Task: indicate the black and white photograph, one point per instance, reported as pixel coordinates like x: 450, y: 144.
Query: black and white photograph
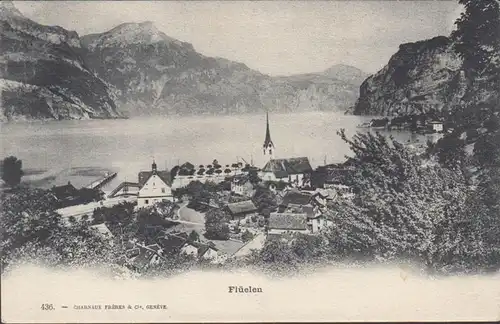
x: 249, y: 161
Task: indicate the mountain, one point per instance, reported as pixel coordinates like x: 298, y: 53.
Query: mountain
x: 135, y: 69
x: 421, y: 77
x: 42, y: 73
x: 156, y: 74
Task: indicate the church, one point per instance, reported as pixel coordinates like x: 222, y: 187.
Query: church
x: 295, y: 171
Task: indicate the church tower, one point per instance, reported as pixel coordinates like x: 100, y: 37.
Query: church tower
x: 268, y: 146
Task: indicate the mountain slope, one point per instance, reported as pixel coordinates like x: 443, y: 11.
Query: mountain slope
x: 421, y: 77
x: 155, y: 74
x: 42, y: 74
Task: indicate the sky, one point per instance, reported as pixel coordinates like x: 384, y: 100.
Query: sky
x: 273, y: 37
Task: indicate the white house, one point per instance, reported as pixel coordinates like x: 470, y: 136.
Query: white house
x: 154, y: 187
x: 242, y: 186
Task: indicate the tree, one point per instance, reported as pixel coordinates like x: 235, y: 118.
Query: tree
x: 246, y: 236
x: 477, y: 41
x: 265, y: 200
x: 487, y: 150
x: 404, y: 208
x: 477, y: 36
x: 12, y: 171
x: 30, y: 229
x: 216, y: 224
x: 194, y: 236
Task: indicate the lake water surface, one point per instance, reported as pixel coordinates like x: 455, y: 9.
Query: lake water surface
x: 79, y: 151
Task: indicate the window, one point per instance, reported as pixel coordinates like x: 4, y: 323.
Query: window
x: 162, y: 190
x: 146, y: 201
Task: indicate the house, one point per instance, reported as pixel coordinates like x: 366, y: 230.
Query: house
x: 436, y: 126
x: 148, y: 255
x: 241, y: 185
x: 155, y: 186
x: 67, y: 191
x: 280, y: 223
x: 172, y: 243
x: 202, y: 251
x: 276, y: 186
x: 66, y: 195
x: 295, y: 197
x: 125, y: 189
x: 294, y: 171
x: 176, y: 243
x: 316, y: 219
x: 241, y: 209
x: 322, y: 196
x: 314, y: 213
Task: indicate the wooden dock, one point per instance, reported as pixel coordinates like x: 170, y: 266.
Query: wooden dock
x: 97, y: 184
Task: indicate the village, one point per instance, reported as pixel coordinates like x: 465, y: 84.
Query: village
x: 285, y: 196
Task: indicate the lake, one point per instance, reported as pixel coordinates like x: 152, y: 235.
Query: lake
x: 80, y: 151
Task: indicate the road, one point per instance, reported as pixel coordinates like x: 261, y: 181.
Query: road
x: 190, y: 215
x: 88, y: 209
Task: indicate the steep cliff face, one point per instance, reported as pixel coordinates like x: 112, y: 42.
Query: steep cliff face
x: 42, y: 74
x: 156, y: 74
x: 421, y: 77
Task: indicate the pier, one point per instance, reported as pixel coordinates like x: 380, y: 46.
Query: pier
x: 97, y: 184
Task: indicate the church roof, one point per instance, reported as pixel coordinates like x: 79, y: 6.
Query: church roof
x: 285, y: 167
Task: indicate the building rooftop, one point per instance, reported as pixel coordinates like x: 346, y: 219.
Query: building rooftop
x: 296, y: 197
x: 172, y: 243
x: 242, y: 207
x: 64, y: 191
x: 132, y: 185
x: 145, y: 175
x: 284, y: 167
x: 288, y: 221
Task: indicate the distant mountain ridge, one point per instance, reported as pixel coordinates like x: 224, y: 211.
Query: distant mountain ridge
x: 156, y: 74
x: 135, y: 69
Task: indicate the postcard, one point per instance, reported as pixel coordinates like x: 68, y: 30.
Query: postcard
x: 249, y: 161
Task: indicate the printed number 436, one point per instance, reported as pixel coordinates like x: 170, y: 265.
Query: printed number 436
x: 47, y: 307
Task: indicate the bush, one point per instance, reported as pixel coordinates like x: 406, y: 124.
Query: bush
x: 12, y: 171
x: 216, y: 224
x: 246, y: 236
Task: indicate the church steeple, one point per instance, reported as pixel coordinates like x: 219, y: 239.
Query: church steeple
x: 268, y: 146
